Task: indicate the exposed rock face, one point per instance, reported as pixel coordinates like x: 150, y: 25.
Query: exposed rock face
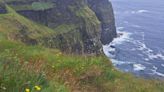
x: 37, y: 16
x: 82, y: 25
x: 2, y: 8
x: 104, y: 12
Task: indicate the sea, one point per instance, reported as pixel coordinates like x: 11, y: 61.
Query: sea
x: 140, y: 48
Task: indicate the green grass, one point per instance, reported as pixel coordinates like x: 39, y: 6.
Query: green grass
x: 54, y: 71
x: 21, y: 7
x: 64, y: 28
x: 42, y: 5
x: 16, y: 23
x: 35, y: 5
x: 88, y: 15
x: 16, y: 0
x: 90, y: 19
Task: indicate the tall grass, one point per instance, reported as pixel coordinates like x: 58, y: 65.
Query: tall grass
x: 24, y: 67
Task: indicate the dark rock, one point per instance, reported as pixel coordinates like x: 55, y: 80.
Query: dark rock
x: 37, y: 16
x: 2, y: 8
x: 93, y: 21
x: 104, y: 12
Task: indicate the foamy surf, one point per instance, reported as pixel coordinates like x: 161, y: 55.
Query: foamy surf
x: 157, y: 73
x: 139, y: 11
x: 147, y: 51
x: 116, y: 62
x: 150, y: 53
x: 142, y: 11
x: 140, y: 46
x: 138, y: 67
x: 144, y: 46
x: 123, y: 36
x: 137, y: 26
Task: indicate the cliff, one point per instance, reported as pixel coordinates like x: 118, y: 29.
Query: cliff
x: 2, y: 7
x: 28, y: 66
x: 104, y: 12
x: 82, y: 26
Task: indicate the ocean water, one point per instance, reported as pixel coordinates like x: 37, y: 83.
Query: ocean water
x: 140, y: 50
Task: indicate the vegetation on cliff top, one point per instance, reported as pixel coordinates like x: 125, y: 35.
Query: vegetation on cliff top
x: 88, y: 15
x: 25, y: 68
x: 14, y: 23
x: 42, y: 5
x: 30, y: 5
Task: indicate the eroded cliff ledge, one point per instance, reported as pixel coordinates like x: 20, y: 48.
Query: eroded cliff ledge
x: 81, y: 26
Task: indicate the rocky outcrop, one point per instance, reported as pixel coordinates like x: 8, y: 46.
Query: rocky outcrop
x: 81, y: 25
x: 37, y: 16
x: 104, y: 11
x: 76, y: 41
x: 2, y: 8
x: 84, y: 37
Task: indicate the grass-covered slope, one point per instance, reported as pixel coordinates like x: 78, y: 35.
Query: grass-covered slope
x: 35, y: 5
x: 14, y: 23
x: 77, y: 27
x: 26, y: 68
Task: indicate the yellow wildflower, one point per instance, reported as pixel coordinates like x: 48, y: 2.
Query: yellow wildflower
x: 37, y: 88
x: 27, y: 90
x: 59, y: 54
x: 53, y: 66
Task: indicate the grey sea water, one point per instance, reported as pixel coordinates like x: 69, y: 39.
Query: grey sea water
x: 141, y: 48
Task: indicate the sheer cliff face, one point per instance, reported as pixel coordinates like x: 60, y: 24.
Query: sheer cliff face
x: 104, y: 11
x: 81, y: 25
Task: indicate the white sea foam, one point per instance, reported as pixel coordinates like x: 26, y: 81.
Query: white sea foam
x: 155, y: 56
x: 154, y: 70
x: 123, y: 38
x: 162, y: 65
x: 142, y: 11
x: 151, y: 54
x: 142, y: 46
x: 160, y: 74
x: 160, y: 55
x: 146, y: 59
x: 138, y: 67
x: 117, y: 62
x: 106, y: 49
x: 138, y: 11
x: 136, y: 26
x: 120, y: 28
x: 119, y: 40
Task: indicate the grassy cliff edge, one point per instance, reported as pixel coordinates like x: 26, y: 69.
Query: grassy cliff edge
x: 25, y: 68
